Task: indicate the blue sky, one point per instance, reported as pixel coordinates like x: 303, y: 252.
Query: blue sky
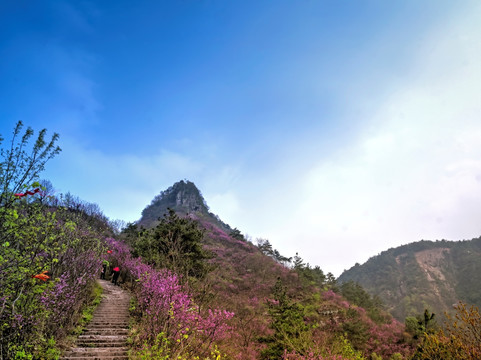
x: 335, y: 129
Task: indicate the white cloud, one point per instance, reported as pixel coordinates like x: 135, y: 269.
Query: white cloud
x: 226, y: 204
x: 413, y: 173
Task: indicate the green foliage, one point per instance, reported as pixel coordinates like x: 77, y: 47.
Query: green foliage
x: 355, y: 329
x: 287, y: 322
x: 19, y: 165
x: 88, y: 311
x: 236, y: 234
x: 396, y: 356
x: 356, y: 295
x: 312, y: 276
x: 348, y: 351
x: 20, y: 353
x: 266, y: 248
x: 130, y: 234
x: 37, y: 239
x: 421, y: 325
x: 49, y: 350
x: 48, y: 254
x: 466, y: 265
x: 461, y: 338
x: 161, y: 349
x: 408, y: 282
x: 175, y: 243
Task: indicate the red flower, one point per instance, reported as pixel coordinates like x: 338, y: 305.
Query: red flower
x: 43, y: 276
x: 116, y: 269
x: 109, y: 251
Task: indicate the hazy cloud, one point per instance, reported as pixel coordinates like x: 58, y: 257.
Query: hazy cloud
x: 414, y: 173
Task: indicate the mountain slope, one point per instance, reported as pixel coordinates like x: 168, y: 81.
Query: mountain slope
x: 422, y: 275
x: 277, y: 307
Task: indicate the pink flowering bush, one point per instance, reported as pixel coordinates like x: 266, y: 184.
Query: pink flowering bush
x: 311, y: 356
x: 65, y: 298
x: 166, y: 307
x: 49, y: 260
x: 384, y: 339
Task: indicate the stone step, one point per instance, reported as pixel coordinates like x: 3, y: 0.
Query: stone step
x: 105, y: 331
x: 93, y: 351
x: 105, y: 344
x: 113, y: 307
x: 103, y: 337
x: 108, y: 325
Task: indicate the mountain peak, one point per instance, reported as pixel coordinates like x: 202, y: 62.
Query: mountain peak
x: 184, y: 198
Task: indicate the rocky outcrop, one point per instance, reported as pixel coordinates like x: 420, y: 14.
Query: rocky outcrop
x: 186, y: 200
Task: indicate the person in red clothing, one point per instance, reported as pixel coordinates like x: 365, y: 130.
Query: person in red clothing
x: 115, y: 277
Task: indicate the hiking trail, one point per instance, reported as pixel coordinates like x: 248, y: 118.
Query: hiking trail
x: 105, y: 337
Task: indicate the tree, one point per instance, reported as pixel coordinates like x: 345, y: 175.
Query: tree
x: 236, y: 234
x: 264, y: 246
x: 20, y: 166
x: 355, y: 294
x: 49, y: 255
x: 130, y: 233
x: 461, y: 338
x: 291, y: 333
x: 298, y: 263
x: 175, y: 243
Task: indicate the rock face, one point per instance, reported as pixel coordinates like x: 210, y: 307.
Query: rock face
x: 423, y: 275
x: 186, y: 200
x: 105, y: 338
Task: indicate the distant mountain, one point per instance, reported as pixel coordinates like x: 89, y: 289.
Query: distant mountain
x: 424, y: 274
x: 186, y: 200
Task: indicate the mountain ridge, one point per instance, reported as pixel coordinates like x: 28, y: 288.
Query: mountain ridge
x: 424, y: 274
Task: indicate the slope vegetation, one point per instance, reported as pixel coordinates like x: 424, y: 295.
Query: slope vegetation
x: 425, y: 274
x: 283, y: 308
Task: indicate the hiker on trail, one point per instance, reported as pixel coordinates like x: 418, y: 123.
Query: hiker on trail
x: 116, y: 271
x: 104, y: 269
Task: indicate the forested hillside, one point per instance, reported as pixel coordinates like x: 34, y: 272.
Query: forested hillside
x: 426, y: 274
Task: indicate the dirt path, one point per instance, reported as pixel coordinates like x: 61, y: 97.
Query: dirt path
x: 105, y: 336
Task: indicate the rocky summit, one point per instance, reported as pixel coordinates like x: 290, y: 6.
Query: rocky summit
x: 186, y: 200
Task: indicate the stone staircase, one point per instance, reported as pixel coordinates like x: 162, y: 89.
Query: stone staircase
x: 105, y: 337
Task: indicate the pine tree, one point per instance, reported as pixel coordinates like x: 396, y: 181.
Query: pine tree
x: 175, y: 243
